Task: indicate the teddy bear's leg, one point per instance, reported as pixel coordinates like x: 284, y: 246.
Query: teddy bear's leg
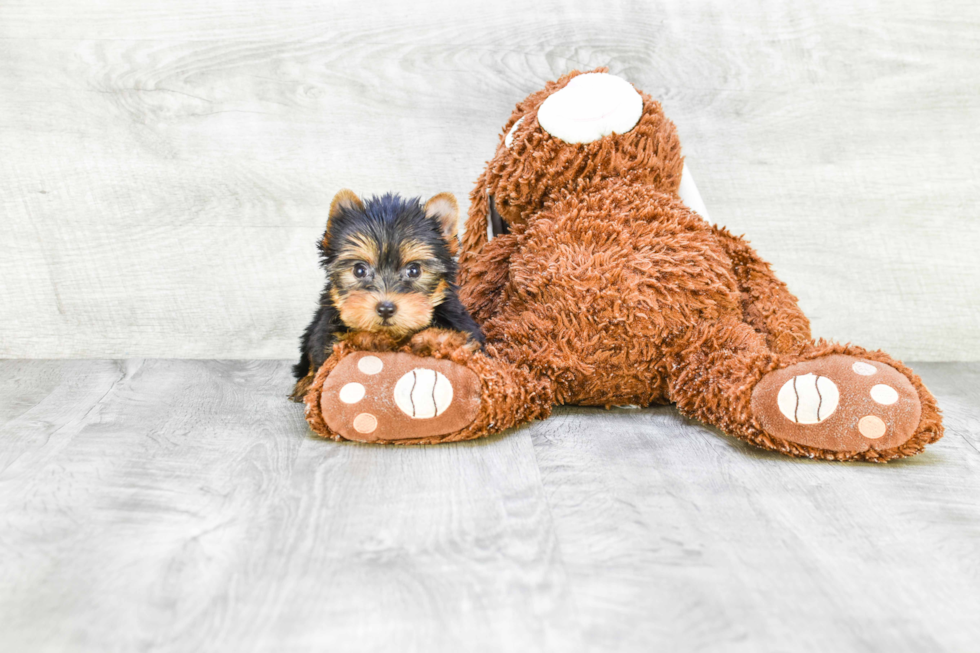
x: 835, y: 402
x: 767, y: 304
x: 436, y: 388
x: 846, y: 403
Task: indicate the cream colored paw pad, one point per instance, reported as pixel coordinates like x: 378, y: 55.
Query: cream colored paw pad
x: 808, y: 399
x: 370, y: 365
x: 864, y: 369
x: 872, y: 427
x: 351, y: 393
x: 423, y: 393
x: 365, y: 423
x: 884, y: 394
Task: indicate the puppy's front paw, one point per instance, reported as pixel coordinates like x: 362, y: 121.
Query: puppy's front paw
x: 301, y: 388
x: 441, y: 343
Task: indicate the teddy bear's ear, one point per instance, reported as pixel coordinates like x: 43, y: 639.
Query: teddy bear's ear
x: 444, y: 209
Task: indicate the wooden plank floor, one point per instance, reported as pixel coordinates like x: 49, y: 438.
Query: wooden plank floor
x: 172, y: 505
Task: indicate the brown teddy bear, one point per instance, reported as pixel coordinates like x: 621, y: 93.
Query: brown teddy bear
x: 595, y: 285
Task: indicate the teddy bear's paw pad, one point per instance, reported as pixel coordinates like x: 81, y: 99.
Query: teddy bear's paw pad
x: 381, y: 397
x: 838, y: 403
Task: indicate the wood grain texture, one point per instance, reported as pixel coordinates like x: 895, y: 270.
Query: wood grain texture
x: 166, y: 169
x: 184, y: 506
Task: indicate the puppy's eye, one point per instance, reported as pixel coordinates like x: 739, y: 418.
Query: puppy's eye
x: 413, y: 270
x: 360, y: 270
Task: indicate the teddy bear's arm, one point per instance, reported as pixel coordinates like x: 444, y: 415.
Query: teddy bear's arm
x: 767, y: 304
x: 437, y: 387
x: 482, y: 278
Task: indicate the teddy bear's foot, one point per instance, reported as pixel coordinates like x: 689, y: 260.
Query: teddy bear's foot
x: 838, y: 403
x: 387, y: 396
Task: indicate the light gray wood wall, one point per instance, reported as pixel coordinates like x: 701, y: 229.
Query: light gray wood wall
x: 165, y: 167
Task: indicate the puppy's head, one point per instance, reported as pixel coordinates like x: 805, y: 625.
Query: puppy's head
x: 389, y: 261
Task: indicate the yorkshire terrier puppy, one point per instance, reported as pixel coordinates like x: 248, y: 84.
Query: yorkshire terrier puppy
x: 390, y: 269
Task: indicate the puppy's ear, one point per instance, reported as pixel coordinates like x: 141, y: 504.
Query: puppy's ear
x: 345, y: 199
x: 445, y: 211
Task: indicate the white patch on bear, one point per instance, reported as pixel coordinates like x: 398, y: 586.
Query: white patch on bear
x: 808, y: 399
x: 591, y: 106
x: 509, y: 138
x: 489, y: 224
x: 423, y: 393
x: 688, y: 192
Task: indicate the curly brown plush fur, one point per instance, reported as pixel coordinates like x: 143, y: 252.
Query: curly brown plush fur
x: 607, y: 290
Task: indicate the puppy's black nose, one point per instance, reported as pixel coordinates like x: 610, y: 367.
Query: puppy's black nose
x: 386, y: 309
